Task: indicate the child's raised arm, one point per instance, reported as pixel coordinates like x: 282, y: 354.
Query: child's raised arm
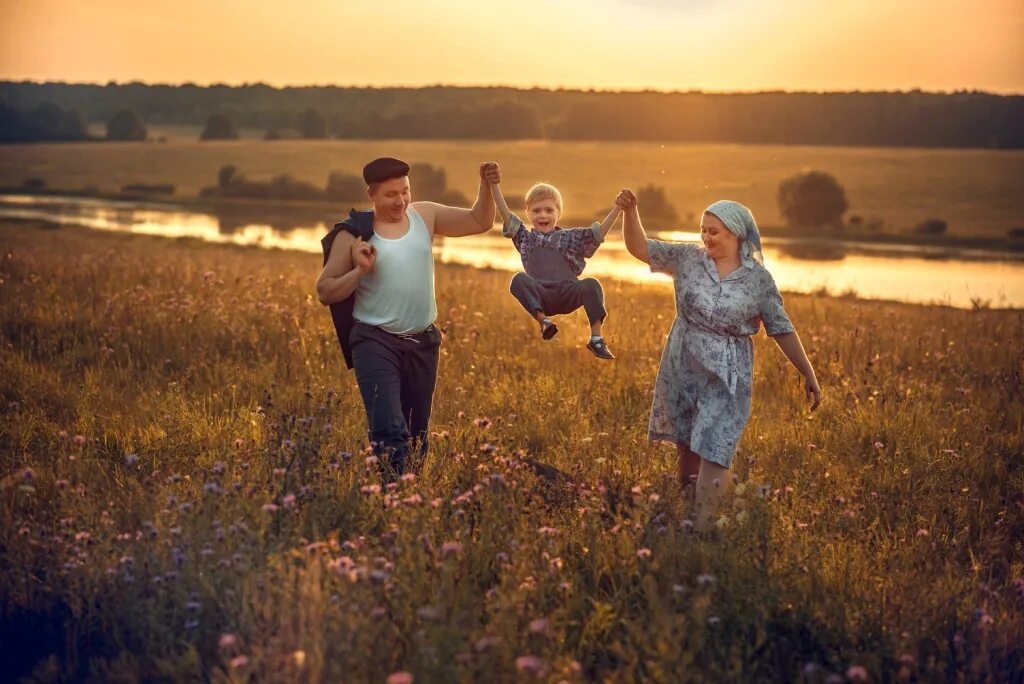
x: 499, y: 201
x: 610, y: 220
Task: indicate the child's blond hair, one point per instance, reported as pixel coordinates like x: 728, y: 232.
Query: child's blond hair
x: 543, y: 191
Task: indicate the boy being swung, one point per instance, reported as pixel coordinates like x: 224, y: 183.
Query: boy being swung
x: 553, y: 258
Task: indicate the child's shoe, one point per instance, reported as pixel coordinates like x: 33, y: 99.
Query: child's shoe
x: 600, y: 348
x: 548, y: 329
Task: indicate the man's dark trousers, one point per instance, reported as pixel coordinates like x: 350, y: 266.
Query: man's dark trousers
x: 396, y: 377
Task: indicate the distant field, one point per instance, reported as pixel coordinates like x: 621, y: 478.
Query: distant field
x: 977, y: 192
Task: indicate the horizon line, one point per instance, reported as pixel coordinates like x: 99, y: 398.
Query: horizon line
x: 646, y: 90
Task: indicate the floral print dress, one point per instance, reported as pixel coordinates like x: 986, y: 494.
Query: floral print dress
x: 702, y: 394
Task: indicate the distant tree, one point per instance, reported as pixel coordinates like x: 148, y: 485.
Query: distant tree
x: 272, y: 134
x: 52, y: 122
x: 812, y: 198
x: 126, y: 125
x: 655, y: 205
x: 219, y: 126
x: 931, y: 226
x: 345, y: 187
x: 312, y: 124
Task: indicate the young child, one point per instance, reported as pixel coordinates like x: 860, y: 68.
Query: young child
x: 554, y: 258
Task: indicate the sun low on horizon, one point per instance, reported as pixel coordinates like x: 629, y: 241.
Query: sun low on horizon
x: 716, y: 45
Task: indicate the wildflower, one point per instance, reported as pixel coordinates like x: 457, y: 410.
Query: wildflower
x: 131, y: 459
x: 643, y: 553
x: 279, y: 472
x: 482, y: 423
x: 370, y: 489
x: 705, y: 579
x: 739, y: 489
x: 906, y: 659
x: 401, y: 677
x: 538, y: 626
x: 28, y: 474
x: 486, y: 642
x: 531, y: 664
x: 879, y: 446
x: 239, y: 661
x: 857, y: 673
x: 714, y: 621
x: 79, y: 440
x: 922, y: 532
x: 809, y: 670
x: 61, y: 484
x: 270, y: 507
x: 450, y: 548
x: 429, y: 613
x: 288, y: 501
x: 686, y: 525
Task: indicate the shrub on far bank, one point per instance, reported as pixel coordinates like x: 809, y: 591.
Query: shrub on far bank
x: 429, y: 183
x: 655, y: 206
x: 931, y: 226
x: 344, y: 187
x: 812, y: 199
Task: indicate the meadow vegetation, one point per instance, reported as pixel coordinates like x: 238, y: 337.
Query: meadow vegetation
x: 185, y: 493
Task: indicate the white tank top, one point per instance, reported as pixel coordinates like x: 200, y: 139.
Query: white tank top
x: 397, y: 295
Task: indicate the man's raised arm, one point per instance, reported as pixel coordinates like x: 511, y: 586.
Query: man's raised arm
x: 455, y: 222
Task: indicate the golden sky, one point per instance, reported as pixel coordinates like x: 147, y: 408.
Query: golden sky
x: 605, y: 44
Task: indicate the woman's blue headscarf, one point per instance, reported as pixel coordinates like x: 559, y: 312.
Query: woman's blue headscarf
x: 740, y: 222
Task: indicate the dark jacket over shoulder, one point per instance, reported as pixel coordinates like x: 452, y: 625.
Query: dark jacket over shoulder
x: 360, y: 224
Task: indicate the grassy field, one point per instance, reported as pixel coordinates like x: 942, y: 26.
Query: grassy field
x: 184, y: 494
x: 978, y: 192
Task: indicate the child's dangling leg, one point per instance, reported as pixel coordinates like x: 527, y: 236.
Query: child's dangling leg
x: 593, y: 303
x: 526, y: 290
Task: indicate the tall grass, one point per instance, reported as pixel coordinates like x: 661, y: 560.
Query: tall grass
x: 184, y: 492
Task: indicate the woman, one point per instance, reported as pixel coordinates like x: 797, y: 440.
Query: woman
x: 723, y: 293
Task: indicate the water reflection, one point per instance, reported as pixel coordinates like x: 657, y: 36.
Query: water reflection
x: 872, y: 271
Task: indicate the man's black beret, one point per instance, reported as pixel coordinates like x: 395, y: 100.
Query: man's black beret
x: 385, y: 168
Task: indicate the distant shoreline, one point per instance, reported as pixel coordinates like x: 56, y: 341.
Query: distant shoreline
x: 804, y: 242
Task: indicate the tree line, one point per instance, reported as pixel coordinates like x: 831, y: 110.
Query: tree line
x: 915, y: 118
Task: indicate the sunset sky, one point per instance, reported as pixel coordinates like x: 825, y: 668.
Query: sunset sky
x: 717, y: 45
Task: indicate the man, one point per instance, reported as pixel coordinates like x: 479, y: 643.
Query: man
x: 378, y: 279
